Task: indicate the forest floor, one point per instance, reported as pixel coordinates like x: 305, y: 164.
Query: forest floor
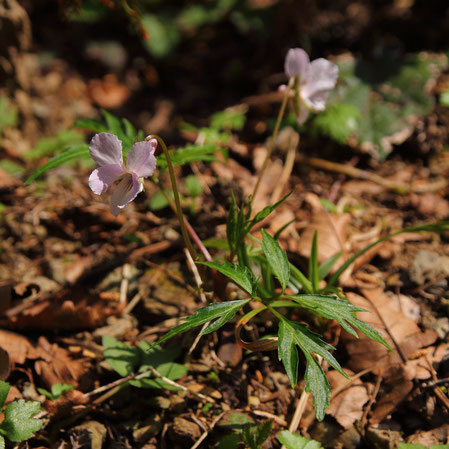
x: 72, y: 274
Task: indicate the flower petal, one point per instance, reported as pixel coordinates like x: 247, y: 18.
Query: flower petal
x: 106, y: 149
x: 297, y: 63
x: 303, y: 114
x: 102, y: 177
x: 125, y: 192
x: 321, y: 79
x: 141, y: 160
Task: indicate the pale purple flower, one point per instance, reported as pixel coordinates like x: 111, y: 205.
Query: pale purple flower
x: 106, y: 151
x: 314, y: 81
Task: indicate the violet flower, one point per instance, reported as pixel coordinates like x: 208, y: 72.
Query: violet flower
x: 313, y: 81
x: 106, y: 151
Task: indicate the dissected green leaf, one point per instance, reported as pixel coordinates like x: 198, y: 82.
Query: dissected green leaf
x: 293, y: 334
x: 188, y: 154
x: 294, y: 441
x: 50, y: 145
x: 241, y: 276
x: 2, y: 442
x: 77, y: 152
x: 228, y: 120
x: 277, y: 258
x: 19, y: 424
x: 341, y: 310
x: 123, y: 358
x: 222, y: 312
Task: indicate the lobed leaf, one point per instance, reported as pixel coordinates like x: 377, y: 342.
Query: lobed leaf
x: 293, y: 334
x: 72, y: 153
x: 241, y: 276
x: 340, y: 310
x: 19, y: 424
x: 222, y: 312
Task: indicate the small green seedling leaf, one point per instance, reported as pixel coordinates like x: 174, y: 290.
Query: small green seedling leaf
x: 193, y: 186
x: 255, y: 435
x: 222, y: 312
x: 123, y: 358
x: 4, y: 390
x: 277, y: 258
x: 241, y: 276
x: 19, y: 424
x: 294, y: 441
x: 57, y: 390
x: 231, y: 441
x: 158, y: 201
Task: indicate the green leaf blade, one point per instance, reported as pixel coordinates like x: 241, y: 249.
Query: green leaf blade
x: 241, y: 276
x: 202, y: 316
x: 277, y: 258
x: 19, y: 424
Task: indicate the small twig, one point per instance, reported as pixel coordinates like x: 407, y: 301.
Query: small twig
x: 196, y: 275
x: 287, y: 170
x: 126, y: 271
x: 207, y: 431
x: 354, y: 172
x: 200, y: 396
x: 370, y: 402
x: 279, y: 420
x: 117, y: 383
x: 300, y: 407
x: 273, y: 136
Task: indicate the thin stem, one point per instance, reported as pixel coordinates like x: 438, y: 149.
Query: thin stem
x: 189, y: 227
x: 179, y: 212
x: 273, y: 137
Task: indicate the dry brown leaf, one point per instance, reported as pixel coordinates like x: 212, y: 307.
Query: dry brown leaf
x: 58, y: 366
x: 440, y: 435
x: 108, y: 93
x: 5, y: 366
x: 66, y: 310
x: 365, y: 353
x: 396, y: 388
x: 18, y: 347
x: 331, y: 231
x: 347, y: 405
x: 66, y: 404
